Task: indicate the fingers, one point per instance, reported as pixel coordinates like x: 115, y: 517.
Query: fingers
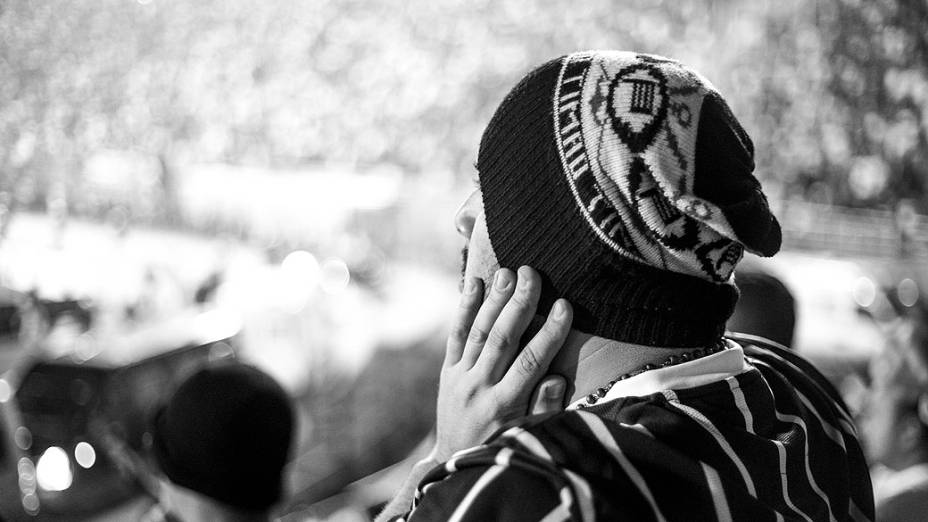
x: 503, y: 339
x: 471, y: 297
x: 548, y: 396
x: 532, y: 362
x: 501, y: 291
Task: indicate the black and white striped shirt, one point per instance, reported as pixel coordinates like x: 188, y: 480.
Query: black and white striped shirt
x: 771, y: 442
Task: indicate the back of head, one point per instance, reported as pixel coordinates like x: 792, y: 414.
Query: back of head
x: 766, y: 308
x: 627, y: 182
x: 226, y: 434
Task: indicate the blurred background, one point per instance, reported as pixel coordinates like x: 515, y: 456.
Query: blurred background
x: 184, y: 181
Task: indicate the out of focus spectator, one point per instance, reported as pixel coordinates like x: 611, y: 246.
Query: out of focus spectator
x: 206, y: 291
x: 766, y: 307
x: 222, y: 442
x: 895, y: 423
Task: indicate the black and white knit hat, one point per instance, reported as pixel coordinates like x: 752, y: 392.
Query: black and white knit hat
x: 627, y: 182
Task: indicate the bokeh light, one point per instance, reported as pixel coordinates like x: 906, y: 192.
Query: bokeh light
x: 907, y: 291
x: 85, y: 454
x: 31, y: 503
x: 23, y: 438
x: 864, y: 291
x: 299, y: 277
x: 53, y: 470
x: 335, y: 275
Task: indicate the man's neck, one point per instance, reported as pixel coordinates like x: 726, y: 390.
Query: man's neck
x: 589, y: 362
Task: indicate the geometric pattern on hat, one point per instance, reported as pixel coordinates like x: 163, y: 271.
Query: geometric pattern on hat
x: 657, y: 164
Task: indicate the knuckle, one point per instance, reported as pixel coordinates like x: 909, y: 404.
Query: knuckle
x: 529, y: 363
x: 498, y: 339
x: 469, y: 301
x: 459, y: 332
x: 467, y: 308
x: 552, y: 330
x: 477, y: 335
x: 522, y: 298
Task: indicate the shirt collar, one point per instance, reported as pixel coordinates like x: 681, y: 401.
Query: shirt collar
x: 704, y: 370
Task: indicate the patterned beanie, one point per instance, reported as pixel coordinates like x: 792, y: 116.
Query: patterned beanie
x: 626, y: 181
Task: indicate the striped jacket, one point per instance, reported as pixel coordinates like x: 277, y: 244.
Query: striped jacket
x: 771, y: 443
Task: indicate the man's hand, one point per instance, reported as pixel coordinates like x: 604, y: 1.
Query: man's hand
x: 486, y: 380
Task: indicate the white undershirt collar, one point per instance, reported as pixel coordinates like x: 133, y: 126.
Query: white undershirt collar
x: 704, y: 370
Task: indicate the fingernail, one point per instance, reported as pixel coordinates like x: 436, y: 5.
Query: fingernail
x: 560, y: 309
x: 502, y: 280
x: 555, y: 390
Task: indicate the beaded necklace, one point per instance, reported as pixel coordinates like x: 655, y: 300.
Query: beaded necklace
x: 592, y: 398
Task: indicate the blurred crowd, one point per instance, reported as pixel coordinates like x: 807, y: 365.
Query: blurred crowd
x: 205, y: 195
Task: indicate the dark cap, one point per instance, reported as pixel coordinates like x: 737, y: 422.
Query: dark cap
x: 226, y: 433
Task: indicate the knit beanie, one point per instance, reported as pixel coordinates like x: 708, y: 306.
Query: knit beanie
x: 226, y: 433
x: 626, y: 181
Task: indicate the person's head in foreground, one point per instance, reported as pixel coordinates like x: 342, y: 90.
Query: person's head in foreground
x: 765, y: 307
x: 627, y: 183
x: 222, y: 441
x: 895, y: 421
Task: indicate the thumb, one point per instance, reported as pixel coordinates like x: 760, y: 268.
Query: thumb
x: 548, y: 396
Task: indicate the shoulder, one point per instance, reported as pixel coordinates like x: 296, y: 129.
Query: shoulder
x: 795, y: 395
x: 780, y: 360
x: 573, y: 465
x: 495, y: 482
